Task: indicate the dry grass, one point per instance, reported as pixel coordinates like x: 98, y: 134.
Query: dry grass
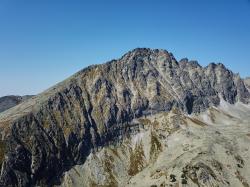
x: 114, y: 151
x: 2, y: 152
x: 144, y: 121
x: 158, y: 174
x: 108, y: 166
x: 156, y: 147
x: 46, y: 123
x: 197, y: 122
x: 137, y: 159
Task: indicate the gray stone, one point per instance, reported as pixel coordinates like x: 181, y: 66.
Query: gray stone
x: 57, y: 129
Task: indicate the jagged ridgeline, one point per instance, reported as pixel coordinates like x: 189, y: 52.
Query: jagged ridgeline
x: 50, y: 133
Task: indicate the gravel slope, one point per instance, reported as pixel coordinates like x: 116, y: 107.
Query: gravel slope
x: 208, y: 149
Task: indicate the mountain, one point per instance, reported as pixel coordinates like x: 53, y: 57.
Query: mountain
x: 7, y: 102
x: 142, y: 120
x: 247, y: 82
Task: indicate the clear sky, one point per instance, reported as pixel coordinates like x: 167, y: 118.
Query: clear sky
x: 44, y: 41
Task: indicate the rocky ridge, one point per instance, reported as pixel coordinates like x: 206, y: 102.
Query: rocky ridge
x: 247, y: 82
x: 52, y: 132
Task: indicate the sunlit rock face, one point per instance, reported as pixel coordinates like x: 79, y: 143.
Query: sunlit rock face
x: 173, y: 149
x: 247, y: 82
x: 109, y: 122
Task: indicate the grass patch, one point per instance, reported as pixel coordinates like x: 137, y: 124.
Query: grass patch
x: 137, y: 159
x: 156, y: 147
x: 108, y: 167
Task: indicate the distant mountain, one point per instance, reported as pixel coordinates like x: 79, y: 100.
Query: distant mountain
x: 7, y: 102
x: 142, y: 120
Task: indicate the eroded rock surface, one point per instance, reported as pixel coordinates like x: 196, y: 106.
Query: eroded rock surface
x: 172, y: 149
x: 247, y: 82
x: 49, y: 134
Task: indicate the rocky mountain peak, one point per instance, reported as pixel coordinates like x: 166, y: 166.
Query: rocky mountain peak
x: 147, y: 54
x: 59, y: 128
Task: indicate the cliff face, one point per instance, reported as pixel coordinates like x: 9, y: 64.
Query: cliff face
x: 50, y: 133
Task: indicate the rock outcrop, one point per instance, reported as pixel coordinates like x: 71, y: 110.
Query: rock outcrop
x: 50, y: 133
x: 247, y: 82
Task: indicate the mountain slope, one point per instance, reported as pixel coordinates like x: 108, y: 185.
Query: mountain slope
x: 52, y: 132
x: 173, y: 149
x: 8, y: 102
x: 247, y: 82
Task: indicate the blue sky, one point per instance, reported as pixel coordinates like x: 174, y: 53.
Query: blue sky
x: 43, y: 42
